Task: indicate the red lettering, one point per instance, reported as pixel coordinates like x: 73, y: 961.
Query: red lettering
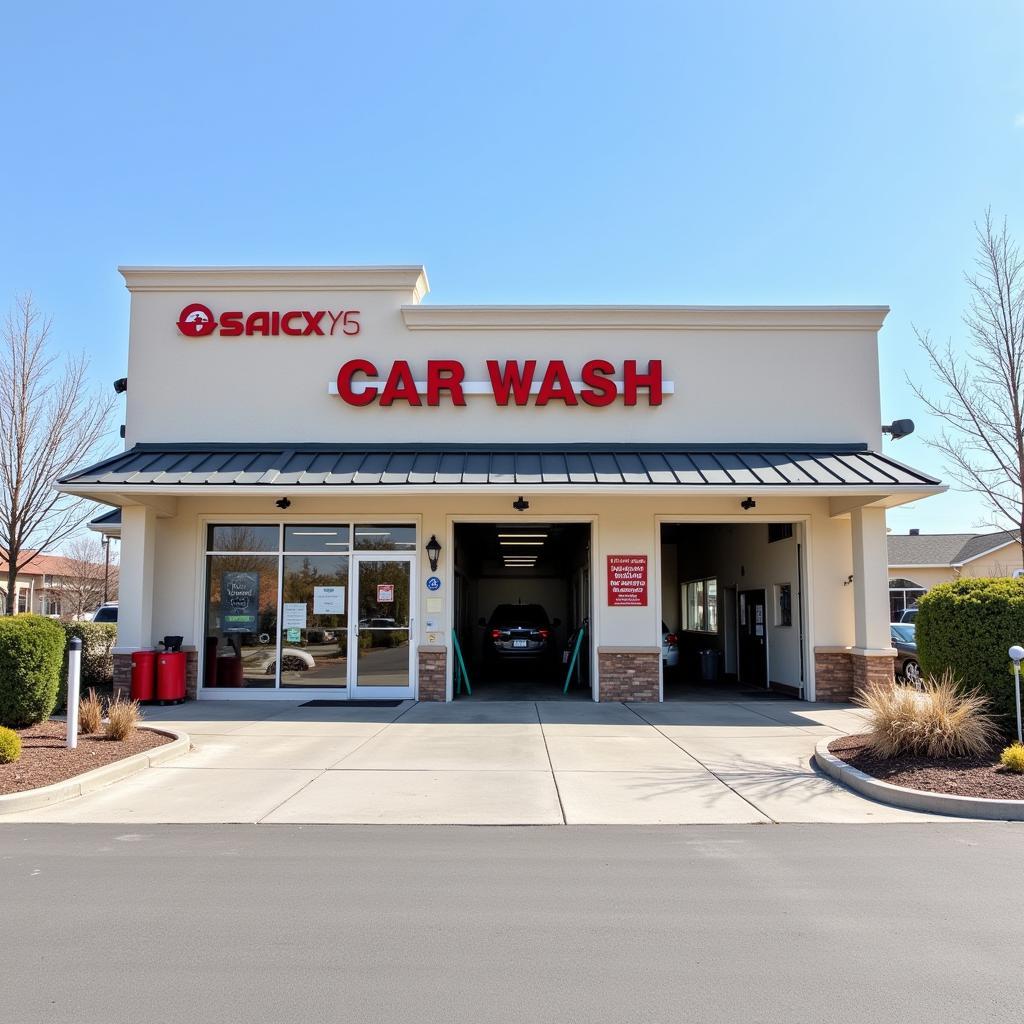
x: 445, y: 375
x: 556, y: 384
x: 631, y: 381
x: 345, y: 375
x: 600, y: 390
x: 275, y: 322
x: 258, y: 323
x: 231, y: 324
x: 313, y: 322
x: 286, y: 320
x: 400, y: 386
x: 511, y: 379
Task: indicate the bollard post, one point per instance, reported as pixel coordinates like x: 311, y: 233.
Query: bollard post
x: 1016, y: 653
x: 74, y: 689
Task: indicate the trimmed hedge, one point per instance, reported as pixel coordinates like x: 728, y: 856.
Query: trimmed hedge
x: 968, y: 627
x: 31, y: 653
x: 98, y: 641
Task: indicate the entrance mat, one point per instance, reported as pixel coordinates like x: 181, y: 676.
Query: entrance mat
x: 351, y: 704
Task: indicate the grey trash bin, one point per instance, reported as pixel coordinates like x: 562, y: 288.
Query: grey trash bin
x: 709, y: 665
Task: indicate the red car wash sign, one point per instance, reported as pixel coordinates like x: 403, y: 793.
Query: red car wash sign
x: 627, y: 581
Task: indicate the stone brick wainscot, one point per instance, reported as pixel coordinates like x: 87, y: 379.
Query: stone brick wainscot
x: 841, y: 672
x: 628, y: 673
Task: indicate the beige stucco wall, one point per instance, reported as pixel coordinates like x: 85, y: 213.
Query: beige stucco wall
x: 734, y: 372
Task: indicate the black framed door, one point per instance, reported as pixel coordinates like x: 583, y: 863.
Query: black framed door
x: 753, y: 638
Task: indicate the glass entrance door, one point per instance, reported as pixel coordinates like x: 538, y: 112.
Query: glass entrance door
x: 382, y: 623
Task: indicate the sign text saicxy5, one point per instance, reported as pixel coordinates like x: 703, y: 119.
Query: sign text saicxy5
x: 197, y: 320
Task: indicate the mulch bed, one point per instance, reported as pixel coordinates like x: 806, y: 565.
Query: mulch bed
x: 44, y: 758
x: 957, y: 776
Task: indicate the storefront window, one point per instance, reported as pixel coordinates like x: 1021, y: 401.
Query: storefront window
x: 314, y: 620
x: 243, y: 538
x: 307, y: 568
x: 385, y: 538
x: 331, y: 540
x: 241, y: 621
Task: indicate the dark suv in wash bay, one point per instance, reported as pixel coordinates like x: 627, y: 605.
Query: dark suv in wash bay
x: 518, y: 632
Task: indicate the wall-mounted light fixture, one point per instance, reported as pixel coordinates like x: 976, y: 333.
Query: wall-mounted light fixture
x: 848, y: 580
x: 433, y: 552
x: 747, y: 504
x: 283, y: 503
x: 898, y: 429
x: 121, y: 385
x: 520, y: 504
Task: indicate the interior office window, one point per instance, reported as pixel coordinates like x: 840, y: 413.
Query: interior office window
x: 783, y: 604
x: 700, y: 606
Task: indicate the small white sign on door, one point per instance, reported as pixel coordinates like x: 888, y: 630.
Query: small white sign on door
x: 294, y: 616
x: 328, y: 600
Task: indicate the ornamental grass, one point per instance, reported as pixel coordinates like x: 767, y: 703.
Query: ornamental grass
x: 938, y: 721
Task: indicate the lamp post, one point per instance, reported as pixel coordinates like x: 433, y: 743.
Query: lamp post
x: 1016, y: 653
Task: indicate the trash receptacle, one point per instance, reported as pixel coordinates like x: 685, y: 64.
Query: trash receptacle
x: 709, y: 665
x: 143, y: 676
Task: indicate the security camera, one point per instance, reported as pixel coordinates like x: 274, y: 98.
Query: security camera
x: 899, y: 428
x: 283, y: 503
x: 748, y: 503
x: 121, y: 385
x: 520, y: 504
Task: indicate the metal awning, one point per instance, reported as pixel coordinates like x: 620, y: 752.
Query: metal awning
x: 227, y: 467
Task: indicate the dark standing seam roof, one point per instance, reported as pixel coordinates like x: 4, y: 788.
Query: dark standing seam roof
x: 297, y: 465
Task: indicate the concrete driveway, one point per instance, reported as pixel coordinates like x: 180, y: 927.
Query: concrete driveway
x: 539, y: 763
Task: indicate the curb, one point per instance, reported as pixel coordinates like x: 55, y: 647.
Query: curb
x: 914, y: 799
x: 89, y: 781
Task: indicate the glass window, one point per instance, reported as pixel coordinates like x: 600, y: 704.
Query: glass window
x: 385, y: 538
x: 242, y: 538
x: 241, y: 620
x: 783, y: 604
x: 314, y: 621
x: 903, y: 594
x: 332, y: 540
x: 701, y: 606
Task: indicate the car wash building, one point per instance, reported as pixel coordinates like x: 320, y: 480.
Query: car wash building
x: 333, y: 489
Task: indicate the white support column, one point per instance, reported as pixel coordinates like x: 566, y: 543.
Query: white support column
x: 135, y: 582
x: 870, y: 581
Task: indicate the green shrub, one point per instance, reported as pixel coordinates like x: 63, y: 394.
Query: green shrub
x: 1012, y: 758
x: 10, y: 746
x: 98, y: 642
x: 31, y: 651
x: 966, y: 628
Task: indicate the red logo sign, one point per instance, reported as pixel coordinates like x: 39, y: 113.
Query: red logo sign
x: 627, y: 581
x: 196, y: 321
x: 385, y: 593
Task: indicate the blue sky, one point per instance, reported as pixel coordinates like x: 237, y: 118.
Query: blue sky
x: 528, y: 152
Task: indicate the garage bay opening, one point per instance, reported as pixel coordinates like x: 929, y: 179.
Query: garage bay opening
x: 732, y: 610
x: 522, y: 609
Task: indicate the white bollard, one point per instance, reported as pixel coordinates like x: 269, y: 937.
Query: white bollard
x: 74, y: 689
x: 1016, y: 653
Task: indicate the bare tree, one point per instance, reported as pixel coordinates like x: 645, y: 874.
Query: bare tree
x: 51, y: 421
x: 982, y: 404
x: 85, y: 579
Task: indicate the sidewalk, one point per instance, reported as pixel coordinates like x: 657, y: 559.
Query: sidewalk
x: 541, y: 763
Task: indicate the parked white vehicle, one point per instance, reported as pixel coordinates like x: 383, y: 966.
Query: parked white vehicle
x: 105, y: 613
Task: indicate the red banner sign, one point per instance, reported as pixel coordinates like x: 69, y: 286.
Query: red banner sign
x: 627, y: 581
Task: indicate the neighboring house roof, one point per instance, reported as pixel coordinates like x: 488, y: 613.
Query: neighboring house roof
x: 945, y: 548
x: 51, y: 565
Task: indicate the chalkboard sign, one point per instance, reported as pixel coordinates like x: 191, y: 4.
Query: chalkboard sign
x: 239, y: 602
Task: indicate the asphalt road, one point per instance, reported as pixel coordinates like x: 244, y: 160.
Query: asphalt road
x: 815, y: 923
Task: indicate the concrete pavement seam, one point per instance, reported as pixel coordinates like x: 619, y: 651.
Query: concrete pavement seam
x: 554, y: 777
x: 710, y: 772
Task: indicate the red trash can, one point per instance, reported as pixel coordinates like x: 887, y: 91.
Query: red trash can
x: 170, y: 677
x: 143, y: 676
